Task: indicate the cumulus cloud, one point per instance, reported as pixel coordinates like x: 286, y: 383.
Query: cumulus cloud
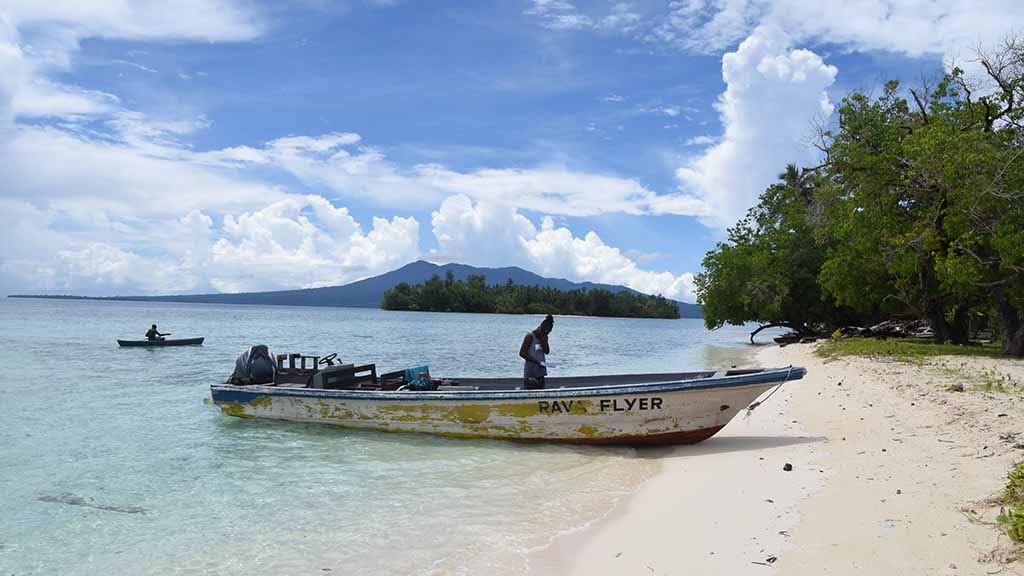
x: 773, y: 95
x: 485, y: 232
x: 306, y: 241
x: 774, y: 92
x: 295, y: 242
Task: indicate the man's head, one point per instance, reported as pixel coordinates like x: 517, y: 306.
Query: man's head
x: 153, y: 326
x: 547, y: 324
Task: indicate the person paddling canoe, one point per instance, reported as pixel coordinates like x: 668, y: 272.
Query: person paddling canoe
x: 533, y: 350
x: 152, y: 334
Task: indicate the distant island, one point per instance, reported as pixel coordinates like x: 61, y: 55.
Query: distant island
x: 476, y: 295
x: 369, y: 292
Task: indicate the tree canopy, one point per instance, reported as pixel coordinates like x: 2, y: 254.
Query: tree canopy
x: 475, y: 295
x: 917, y: 211
x: 766, y: 271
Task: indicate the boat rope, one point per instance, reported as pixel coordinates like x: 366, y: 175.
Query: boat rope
x: 776, y: 389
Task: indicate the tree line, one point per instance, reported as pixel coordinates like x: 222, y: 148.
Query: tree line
x: 916, y: 212
x: 475, y: 295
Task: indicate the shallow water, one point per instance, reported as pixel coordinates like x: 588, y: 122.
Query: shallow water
x: 113, y: 464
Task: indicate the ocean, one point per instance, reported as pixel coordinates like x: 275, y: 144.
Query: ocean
x: 113, y: 463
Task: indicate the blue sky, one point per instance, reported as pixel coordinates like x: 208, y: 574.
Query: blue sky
x: 154, y: 149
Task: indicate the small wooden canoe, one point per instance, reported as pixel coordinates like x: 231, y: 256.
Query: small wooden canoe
x: 673, y: 408
x: 155, y: 343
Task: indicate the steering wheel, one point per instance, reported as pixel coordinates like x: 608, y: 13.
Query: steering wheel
x: 327, y: 359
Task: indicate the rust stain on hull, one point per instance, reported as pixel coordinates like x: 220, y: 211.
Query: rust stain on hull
x: 634, y: 419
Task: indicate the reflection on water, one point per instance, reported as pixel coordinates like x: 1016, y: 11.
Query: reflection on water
x: 112, y: 463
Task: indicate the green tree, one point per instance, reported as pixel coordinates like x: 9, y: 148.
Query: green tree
x: 475, y: 295
x: 767, y: 270
x: 926, y: 208
x: 887, y: 208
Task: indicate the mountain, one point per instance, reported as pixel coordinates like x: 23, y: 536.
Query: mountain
x: 367, y: 293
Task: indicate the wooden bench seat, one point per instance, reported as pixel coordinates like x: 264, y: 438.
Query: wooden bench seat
x: 348, y: 377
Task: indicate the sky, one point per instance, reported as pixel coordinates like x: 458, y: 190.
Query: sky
x: 237, y: 145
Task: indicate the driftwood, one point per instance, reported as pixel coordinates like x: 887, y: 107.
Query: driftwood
x: 890, y: 329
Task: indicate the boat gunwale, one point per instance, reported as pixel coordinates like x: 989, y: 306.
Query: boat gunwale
x: 768, y: 376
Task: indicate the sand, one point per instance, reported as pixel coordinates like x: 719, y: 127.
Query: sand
x: 892, y: 474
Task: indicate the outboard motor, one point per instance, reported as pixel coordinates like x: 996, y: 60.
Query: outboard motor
x: 254, y: 366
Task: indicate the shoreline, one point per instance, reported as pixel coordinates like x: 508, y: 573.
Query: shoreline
x: 891, y: 473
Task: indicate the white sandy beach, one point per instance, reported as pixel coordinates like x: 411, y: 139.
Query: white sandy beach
x: 891, y: 472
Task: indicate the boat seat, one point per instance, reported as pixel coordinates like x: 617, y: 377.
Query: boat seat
x: 347, y: 377
x: 391, y: 380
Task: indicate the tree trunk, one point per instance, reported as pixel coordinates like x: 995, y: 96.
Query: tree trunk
x: 799, y: 328
x: 1009, y: 323
x: 937, y: 318
x: 960, y: 329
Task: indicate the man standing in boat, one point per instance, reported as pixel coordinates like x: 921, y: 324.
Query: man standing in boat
x: 152, y: 334
x: 533, y: 351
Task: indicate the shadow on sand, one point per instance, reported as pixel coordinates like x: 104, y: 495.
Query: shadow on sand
x: 725, y: 444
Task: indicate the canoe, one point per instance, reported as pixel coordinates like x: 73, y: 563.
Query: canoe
x: 675, y: 408
x: 154, y: 343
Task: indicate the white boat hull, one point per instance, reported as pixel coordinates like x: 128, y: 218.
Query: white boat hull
x: 651, y: 413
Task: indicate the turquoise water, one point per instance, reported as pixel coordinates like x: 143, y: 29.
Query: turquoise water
x: 113, y: 464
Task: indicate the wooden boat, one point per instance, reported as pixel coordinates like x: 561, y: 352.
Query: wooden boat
x: 671, y: 408
x: 166, y: 342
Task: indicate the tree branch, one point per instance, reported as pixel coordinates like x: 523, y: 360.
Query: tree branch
x: 920, y: 105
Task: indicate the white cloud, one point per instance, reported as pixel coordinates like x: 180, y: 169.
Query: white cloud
x: 773, y: 95
x: 88, y: 173
x: 23, y: 91
x: 945, y: 28
x: 621, y: 19
x: 549, y: 190
x: 105, y: 267
x: 564, y: 15
x: 486, y: 232
x: 306, y: 241
x: 55, y: 29
x: 367, y: 174
x: 704, y: 25
x: 135, y: 65
x: 206, y: 20
x: 703, y: 140
x: 559, y: 15
x: 295, y: 242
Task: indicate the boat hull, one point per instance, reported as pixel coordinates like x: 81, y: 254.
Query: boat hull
x: 654, y: 413
x: 160, y: 343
